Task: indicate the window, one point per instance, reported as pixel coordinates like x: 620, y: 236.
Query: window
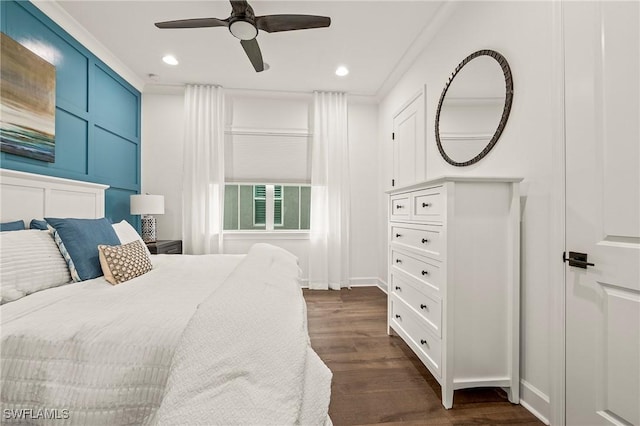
x: 266, y: 207
x: 267, y: 143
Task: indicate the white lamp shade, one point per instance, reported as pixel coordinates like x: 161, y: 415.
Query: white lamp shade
x: 147, y: 204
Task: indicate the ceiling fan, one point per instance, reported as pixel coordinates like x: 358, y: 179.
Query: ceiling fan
x: 244, y: 25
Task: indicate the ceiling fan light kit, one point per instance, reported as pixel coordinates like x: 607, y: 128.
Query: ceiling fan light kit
x: 244, y: 25
x: 243, y: 30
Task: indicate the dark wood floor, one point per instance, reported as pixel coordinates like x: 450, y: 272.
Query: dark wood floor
x: 377, y: 378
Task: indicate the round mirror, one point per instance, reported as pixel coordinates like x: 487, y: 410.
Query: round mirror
x: 474, y: 108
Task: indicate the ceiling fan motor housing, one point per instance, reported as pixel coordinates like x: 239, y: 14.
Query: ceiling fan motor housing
x: 242, y: 22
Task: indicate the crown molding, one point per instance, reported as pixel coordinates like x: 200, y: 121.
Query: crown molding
x: 53, y: 10
x: 417, y: 47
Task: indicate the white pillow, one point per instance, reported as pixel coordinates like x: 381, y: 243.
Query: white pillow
x: 30, y: 261
x: 127, y: 234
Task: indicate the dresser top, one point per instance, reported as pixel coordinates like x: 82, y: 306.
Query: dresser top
x: 443, y: 179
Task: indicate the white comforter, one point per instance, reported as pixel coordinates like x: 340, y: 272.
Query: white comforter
x: 99, y: 354
x: 258, y: 366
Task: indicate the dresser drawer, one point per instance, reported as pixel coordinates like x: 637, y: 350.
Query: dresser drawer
x: 427, y: 272
x: 428, y: 344
x: 426, y: 238
x: 429, y: 307
x: 428, y: 204
x: 400, y: 207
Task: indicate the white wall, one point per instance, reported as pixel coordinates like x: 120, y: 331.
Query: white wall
x: 162, y: 121
x: 161, y: 165
x: 522, y: 32
x: 365, y: 216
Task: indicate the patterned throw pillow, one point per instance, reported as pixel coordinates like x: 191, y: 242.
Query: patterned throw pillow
x: 65, y: 254
x: 122, y: 263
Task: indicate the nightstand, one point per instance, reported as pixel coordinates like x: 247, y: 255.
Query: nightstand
x: 165, y: 247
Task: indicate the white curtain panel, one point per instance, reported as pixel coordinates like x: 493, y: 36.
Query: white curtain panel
x: 330, y: 197
x: 203, y: 171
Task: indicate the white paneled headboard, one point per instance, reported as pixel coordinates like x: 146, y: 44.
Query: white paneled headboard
x: 29, y: 196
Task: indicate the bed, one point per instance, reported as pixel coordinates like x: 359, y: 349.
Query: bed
x: 212, y: 339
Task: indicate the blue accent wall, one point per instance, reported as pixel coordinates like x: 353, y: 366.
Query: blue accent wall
x: 97, y: 113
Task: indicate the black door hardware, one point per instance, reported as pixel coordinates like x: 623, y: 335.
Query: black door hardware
x: 576, y: 259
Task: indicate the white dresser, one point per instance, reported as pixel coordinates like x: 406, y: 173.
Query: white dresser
x: 454, y: 279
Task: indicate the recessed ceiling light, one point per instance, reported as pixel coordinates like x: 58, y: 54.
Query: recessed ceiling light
x: 170, y: 59
x: 341, y: 71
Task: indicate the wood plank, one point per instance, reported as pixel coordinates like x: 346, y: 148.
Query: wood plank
x: 377, y: 379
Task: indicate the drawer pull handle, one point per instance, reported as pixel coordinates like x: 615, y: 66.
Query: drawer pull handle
x: 398, y: 288
x: 423, y: 306
x: 398, y: 235
x: 425, y: 272
x: 398, y: 316
x: 424, y: 342
x: 425, y: 241
x: 398, y: 260
x: 426, y: 205
x: 399, y: 206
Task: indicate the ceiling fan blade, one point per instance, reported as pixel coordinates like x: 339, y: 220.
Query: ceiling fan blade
x: 239, y: 7
x: 252, y: 50
x: 276, y: 23
x: 194, y: 23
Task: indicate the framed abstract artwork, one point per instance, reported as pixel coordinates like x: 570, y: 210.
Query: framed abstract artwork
x: 27, y: 102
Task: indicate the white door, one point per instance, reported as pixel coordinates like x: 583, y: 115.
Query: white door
x: 409, y: 160
x: 602, y: 74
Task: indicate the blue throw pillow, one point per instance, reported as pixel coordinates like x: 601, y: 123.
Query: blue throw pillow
x: 18, y: 225
x: 80, y: 239
x: 38, y: 224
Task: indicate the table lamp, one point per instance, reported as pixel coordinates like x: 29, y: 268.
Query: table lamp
x: 147, y: 205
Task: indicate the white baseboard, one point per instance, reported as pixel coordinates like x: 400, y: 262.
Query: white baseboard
x: 356, y: 282
x: 363, y: 282
x: 382, y: 285
x: 369, y: 282
x: 534, y: 400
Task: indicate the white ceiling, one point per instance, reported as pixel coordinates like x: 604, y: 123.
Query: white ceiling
x: 370, y: 37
